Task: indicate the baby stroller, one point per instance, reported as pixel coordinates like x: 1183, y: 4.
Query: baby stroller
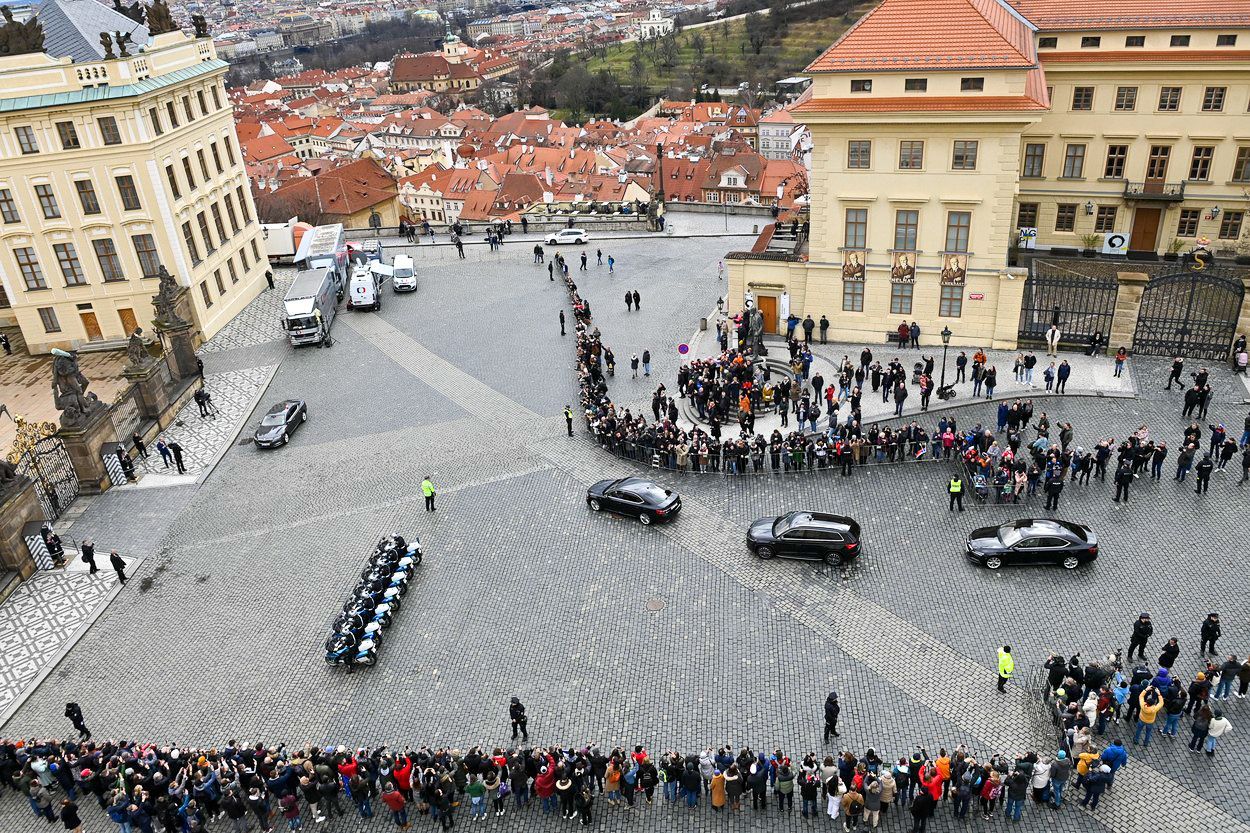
x: 981, y: 487
x: 916, y: 370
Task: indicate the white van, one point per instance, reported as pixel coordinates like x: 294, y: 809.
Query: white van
x: 364, y: 290
x: 404, y: 277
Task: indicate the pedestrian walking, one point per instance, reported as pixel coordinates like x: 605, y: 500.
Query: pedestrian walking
x: 269, y: 278
x: 598, y: 257
x: 460, y: 248
x: 612, y: 268
x: 832, y: 710
x: 141, y: 447
x: 582, y: 268
x: 119, y: 566
x: 562, y: 323
x: 551, y: 271
x: 87, y: 551
x: 629, y: 300
x: 646, y: 362
x: 1006, y: 667
x: 518, y: 718
x: 637, y: 297
x: 176, y: 449
x: 166, y: 454
x: 74, y: 712
x: 568, y: 419
x: 633, y: 364
x: 956, y: 489
x: 1178, y: 367
x: 427, y: 490
x: 538, y: 253
x: 6, y: 344
x: 1210, y: 632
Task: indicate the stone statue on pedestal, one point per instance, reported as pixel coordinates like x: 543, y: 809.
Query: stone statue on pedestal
x: 69, y: 391
x: 160, y: 20
x: 755, y: 331
x: 137, y: 352
x: 165, y: 301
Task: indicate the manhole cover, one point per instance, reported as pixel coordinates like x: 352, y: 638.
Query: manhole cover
x: 655, y: 603
x: 246, y: 441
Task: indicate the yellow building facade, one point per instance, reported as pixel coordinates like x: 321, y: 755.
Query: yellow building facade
x: 941, y: 128
x: 111, y: 168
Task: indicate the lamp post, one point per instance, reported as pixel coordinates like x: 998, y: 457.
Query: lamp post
x: 946, y: 343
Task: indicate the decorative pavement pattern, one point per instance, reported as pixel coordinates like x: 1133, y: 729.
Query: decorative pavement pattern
x: 259, y: 322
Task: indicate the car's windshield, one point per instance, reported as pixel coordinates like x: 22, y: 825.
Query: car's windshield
x: 787, y: 522
x: 271, y: 420
x: 1010, y: 535
x: 301, y: 323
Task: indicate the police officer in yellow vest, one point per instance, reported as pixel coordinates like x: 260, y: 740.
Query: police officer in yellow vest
x: 568, y: 419
x: 957, y: 492
x: 1006, y: 667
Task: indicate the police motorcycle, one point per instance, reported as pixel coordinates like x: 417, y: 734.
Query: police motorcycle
x: 356, y: 635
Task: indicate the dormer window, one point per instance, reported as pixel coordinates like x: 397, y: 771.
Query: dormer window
x: 1047, y: 43
x: 1090, y: 42
x: 861, y: 85
x: 971, y: 85
x: 1131, y: 41
x: 1180, y: 40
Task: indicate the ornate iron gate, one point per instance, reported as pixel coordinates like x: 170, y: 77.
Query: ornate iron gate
x: 1190, y: 313
x: 1083, y: 304
x: 46, y: 461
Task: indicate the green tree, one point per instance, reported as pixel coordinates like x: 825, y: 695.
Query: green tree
x: 698, y: 44
x: 573, y: 90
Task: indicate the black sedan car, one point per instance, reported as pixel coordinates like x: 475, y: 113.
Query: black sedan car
x: 1033, y: 541
x: 634, y: 496
x: 280, y: 422
x: 813, y: 536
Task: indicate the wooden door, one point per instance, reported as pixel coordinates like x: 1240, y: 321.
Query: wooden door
x: 768, y: 306
x: 91, y: 325
x: 129, y: 323
x: 1145, y: 230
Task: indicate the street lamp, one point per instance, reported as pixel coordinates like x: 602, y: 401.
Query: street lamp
x: 946, y: 343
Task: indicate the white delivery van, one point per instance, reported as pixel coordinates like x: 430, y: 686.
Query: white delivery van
x: 404, y: 277
x: 364, y: 290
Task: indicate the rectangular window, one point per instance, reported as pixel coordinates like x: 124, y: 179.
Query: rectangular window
x: 172, y: 112
x: 145, y: 250
x: 1180, y: 40
x: 155, y: 116
x: 1117, y: 155
x: 71, y: 267
x: 186, y: 170
x: 1241, y: 167
x: 28, y: 265
x: 189, y: 238
x: 1026, y: 215
x: 910, y: 155
x: 900, y: 298
x: 1065, y: 217
x: 1034, y: 159
x: 186, y: 108
x: 229, y: 151
x: 47, y: 202
x: 859, y: 154
x: 47, y: 315
x: 217, y: 222
x: 1200, y: 164
x: 199, y: 96
x: 173, y: 182
x: 1126, y: 98
x: 1074, y: 162
x: 1047, y: 43
x: 861, y: 85
x: 906, y: 225
x: 958, y: 224
x: 1105, y: 219
x: 951, y: 304
x: 1225, y: 40
x: 856, y: 228
x: 202, y: 219
x: 1090, y: 42
x: 1157, y: 164
x: 234, y: 221
x: 86, y: 196
x: 243, y: 258
x: 852, y: 296
x: 26, y: 139
x: 247, y: 217
x: 109, y: 133
x: 203, y: 164
x: 1213, y: 99
x: 68, y: 135
x: 1169, y: 99
x: 1187, y: 226
x: 212, y: 148
x: 128, y: 192
x: 1082, y: 98
x: 964, y: 157
x: 110, y: 263
x: 1230, y: 226
x: 915, y: 85
x: 234, y: 275
x: 208, y: 299
x: 221, y: 287
x: 971, y: 85
x: 1133, y: 41
x: 255, y: 249
x: 8, y: 206
x: 216, y: 98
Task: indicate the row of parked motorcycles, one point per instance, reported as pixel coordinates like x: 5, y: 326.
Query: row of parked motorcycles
x: 356, y: 635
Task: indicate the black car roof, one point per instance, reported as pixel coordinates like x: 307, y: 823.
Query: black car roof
x: 821, y: 520
x: 1042, y: 525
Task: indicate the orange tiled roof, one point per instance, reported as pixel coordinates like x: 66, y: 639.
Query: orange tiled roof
x: 920, y: 104
x: 932, y: 34
x: 1080, y: 15
x: 1094, y: 56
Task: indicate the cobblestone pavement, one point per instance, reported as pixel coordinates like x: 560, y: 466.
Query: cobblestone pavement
x: 524, y: 592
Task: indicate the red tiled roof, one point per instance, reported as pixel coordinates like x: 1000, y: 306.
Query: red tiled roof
x: 342, y: 190
x: 263, y: 148
x: 420, y: 68
x: 1081, y: 15
x: 920, y: 104
x: 932, y: 34
x: 1094, y: 56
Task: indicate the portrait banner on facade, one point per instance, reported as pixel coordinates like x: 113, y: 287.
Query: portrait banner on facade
x: 904, y: 269
x: 954, y: 269
x: 853, y: 261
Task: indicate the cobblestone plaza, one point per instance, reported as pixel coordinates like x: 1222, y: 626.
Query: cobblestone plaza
x: 673, y: 636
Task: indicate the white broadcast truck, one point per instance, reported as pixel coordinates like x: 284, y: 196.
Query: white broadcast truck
x: 309, y: 306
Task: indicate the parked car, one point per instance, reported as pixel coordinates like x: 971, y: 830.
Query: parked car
x: 645, y: 500
x: 1033, y: 541
x: 568, y: 235
x: 280, y: 422
x: 811, y: 536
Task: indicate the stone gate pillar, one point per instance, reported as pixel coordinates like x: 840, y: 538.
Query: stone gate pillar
x: 1243, y: 317
x: 1128, y: 294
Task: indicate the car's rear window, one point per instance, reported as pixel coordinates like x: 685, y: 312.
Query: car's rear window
x: 650, y: 493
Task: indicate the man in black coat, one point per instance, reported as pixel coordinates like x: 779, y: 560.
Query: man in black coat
x: 1123, y: 478
x: 1143, y: 629
x: 74, y: 713
x: 1210, y: 633
x: 516, y: 713
x: 832, y: 710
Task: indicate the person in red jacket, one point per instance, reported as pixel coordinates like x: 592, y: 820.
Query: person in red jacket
x: 395, y: 802
x: 545, y: 785
x: 403, y: 775
x: 931, y: 780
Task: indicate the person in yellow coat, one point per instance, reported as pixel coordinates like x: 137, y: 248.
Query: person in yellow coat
x: 1006, y: 667
x: 719, y: 799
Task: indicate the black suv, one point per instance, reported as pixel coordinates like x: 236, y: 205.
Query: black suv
x: 813, y: 536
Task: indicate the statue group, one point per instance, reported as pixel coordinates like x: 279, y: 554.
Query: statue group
x: 69, y: 391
